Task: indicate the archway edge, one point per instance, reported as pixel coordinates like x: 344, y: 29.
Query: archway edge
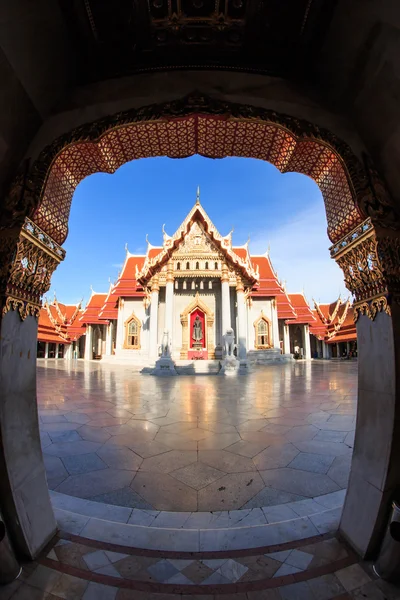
x: 294, y: 145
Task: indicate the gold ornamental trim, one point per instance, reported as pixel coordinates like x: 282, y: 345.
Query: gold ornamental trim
x: 371, y: 309
x: 25, y: 309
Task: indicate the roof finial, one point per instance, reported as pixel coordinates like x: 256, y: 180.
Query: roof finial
x: 198, y: 195
x: 126, y: 248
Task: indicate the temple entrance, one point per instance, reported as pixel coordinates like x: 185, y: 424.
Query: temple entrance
x: 358, y: 211
x: 198, y: 334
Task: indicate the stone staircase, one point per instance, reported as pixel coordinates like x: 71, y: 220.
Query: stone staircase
x: 198, y: 367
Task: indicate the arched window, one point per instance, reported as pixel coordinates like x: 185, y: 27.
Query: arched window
x: 132, y: 332
x: 216, y: 266
x: 178, y: 266
x: 262, y: 333
x: 188, y: 265
x: 206, y: 265
x: 197, y: 266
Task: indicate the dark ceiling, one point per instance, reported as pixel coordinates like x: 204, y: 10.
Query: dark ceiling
x: 118, y: 37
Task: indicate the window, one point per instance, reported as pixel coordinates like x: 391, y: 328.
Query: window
x: 178, y: 266
x: 216, y: 266
x: 188, y: 266
x: 132, y: 332
x: 197, y: 266
x: 206, y: 265
x: 262, y: 327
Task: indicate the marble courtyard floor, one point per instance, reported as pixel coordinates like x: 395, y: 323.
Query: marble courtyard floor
x: 283, y: 433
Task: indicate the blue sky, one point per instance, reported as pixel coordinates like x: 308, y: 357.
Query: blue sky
x: 284, y: 212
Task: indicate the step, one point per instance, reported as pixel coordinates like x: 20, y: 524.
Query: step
x: 198, y: 532
x: 196, y: 367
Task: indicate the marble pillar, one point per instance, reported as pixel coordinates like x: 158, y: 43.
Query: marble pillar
x: 338, y: 354
x: 286, y: 339
x: 24, y: 497
x: 325, y: 350
x: 153, y: 337
x: 68, y: 351
x: 57, y: 349
x: 46, y: 350
x: 225, y: 301
x: 169, y: 301
x: 275, y: 325
x: 242, y: 321
x: 348, y: 348
x: 89, y: 342
x: 307, y: 345
x: 109, y: 337
x: 375, y: 471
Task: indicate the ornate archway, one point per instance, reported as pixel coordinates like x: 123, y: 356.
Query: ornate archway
x: 362, y: 224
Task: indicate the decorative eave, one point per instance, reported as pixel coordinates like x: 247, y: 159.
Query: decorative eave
x: 332, y: 317
x: 171, y: 243
x: 320, y: 313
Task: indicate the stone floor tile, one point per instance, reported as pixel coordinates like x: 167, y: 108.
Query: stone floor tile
x: 352, y: 577
x: 245, y: 448
x: 129, y: 567
x: 198, y: 571
x: 299, y: 559
x: 226, y: 461
x: 70, y: 587
x: 265, y: 566
x: 197, y: 475
x: 328, y: 520
x: 216, y: 426
x: 89, y: 485
x: 6, y: 591
x: 232, y: 490
x: 299, y: 482
x: 180, y: 564
x: 27, y: 592
x: 65, y: 436
x: 264, y: 595
x: 97, y: 591
x: 331, y: 436
x: 83, y: 463
x: 61, y: 449
x: 275, y: 514
x: 93, y: 434
x: 55, y: 468
x: 269, y: 496
x: 167, y: 494
x: 314, y: 463
x: 339, y: 471
x: 275, y: 457
x: 169, y: 461
x: 296, y: 591
x: 332, y: 500
x: 142, y: 517
x: 232, y: 570
x: 95, y: 560
x: 148, y: 449
x: 162, y: 570
x: 124, y: 497
x: 44, y: 578
x: 109, y: 570
x: 330, y: 448
x: 326, y: 587
x: 173, y: 441
x: 218, y: 441
x: 71, y: 522
x: 216, y: 579
x: 301, y: 433
x: 119, y: 457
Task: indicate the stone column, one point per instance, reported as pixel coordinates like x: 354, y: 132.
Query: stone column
x: 337, y: 350
x: 153, y: 337
x: 68, y: 351
x: 169, y: 301
x: 275, y: 325
x: 286, y: 339
x: 109, y: 336
x: 89, y: 343
x: 56, y: 352
x: 225, y: 301
x: 307, y: 346
x: 325, y: 350
x: 46, y: 350
x: 24, y: 496
x: 242, y: 325
x: 348, y: 348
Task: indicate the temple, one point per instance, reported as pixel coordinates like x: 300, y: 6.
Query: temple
x: 183, y: 297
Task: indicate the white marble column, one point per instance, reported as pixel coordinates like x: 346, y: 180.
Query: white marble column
x: 242, y: 320
x: 225, y: 301
x: 68, y: 351
x: 275, y: 325
x: 307, y: 345
x: 109, y: 336
x: 337, y: 351
x: 153, y: 337
x: 286, y: 339
x: 24, y: 495
x: 169, y: 301
x: 325, y: 350
x: 89, y: 342
x: 56, y: 352
x: 46, y: 350
x: 348, y: 348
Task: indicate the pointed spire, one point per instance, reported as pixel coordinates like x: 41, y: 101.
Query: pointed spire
x: 198, y: 195
x: 126, y: 248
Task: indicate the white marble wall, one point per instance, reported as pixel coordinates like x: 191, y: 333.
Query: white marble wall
x: 129, y: 306
x: 258, y: 305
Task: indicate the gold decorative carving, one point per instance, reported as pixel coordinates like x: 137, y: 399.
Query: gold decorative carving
x: 209, y: 324
x: 24, y: 308
x: 371, y: 309
x: 36, y: 257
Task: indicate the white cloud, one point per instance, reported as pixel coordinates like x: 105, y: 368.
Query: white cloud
x: 299, y: 251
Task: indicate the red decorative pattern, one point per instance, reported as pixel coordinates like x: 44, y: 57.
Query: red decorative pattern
x: 214, y: 136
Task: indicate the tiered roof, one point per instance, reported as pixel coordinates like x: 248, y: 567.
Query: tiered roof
x: 303, y: 312
x: 334, y: 322
x: 90, y: 316
x: 59, y: 323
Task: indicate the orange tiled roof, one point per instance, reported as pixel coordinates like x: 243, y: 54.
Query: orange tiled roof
x: 303, y: 312
x: 90, y: 316
x: 58, y: 323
